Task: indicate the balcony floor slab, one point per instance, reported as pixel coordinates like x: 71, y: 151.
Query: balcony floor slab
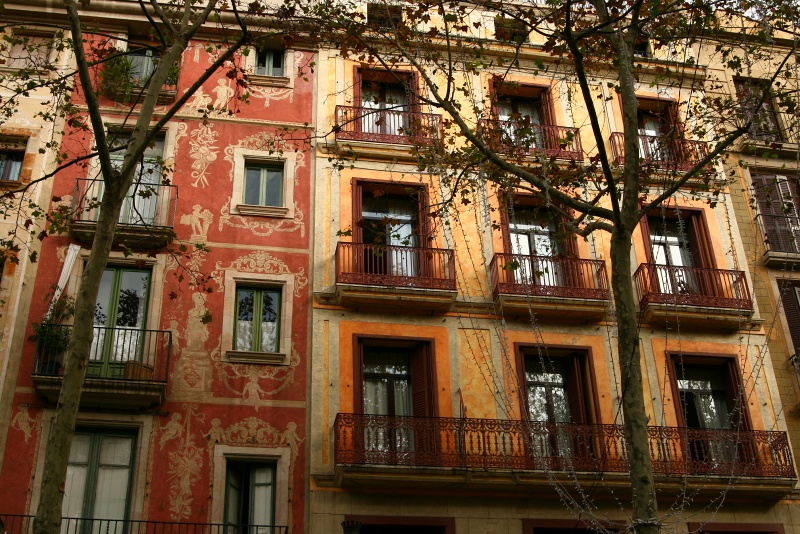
x: 388, y: 298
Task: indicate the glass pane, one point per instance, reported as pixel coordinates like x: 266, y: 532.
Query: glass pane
x: 381, y: 360
x: 79, y: 452
x: 132, y: 298
x: 116, y: 450
x: 376, y: 396
x: 274, y: 187
x: 74, y: 489
x: 111, y: 492
x: 244, y: 319
x: 270, y: 320
x: 252, y: 186
x: 102, y: 308
x: 537, y: 403
x: 560, y: 405
x: 402, y: 397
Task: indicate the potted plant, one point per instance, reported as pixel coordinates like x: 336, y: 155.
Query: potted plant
x: 52, y: 336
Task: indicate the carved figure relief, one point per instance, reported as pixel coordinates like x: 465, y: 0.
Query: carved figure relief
x: 203, y: 152
x: 261, y: 227
x: 259, y: 262
x: 200, y: 219
x: 198, y: 103
x: 224, y: 93
x: 253, y: 392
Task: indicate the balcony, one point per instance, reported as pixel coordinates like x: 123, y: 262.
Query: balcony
x: 782, y: 239
x: 382, y: 276
x: 553, y: 288
x: 707, y: 297
x: 492, y: 445
x: 552, y: 141
x: 397, y: 126
x: 23, y: 524
x: 147, y: 218
x: 667, y: 155
x: 128, y: 368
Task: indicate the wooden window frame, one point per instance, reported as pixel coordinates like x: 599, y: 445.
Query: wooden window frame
x: 699, y: 235
x: 423, y: 393
x: 569, y: 242
x: 384, y: 16
x: 263, y: 189
x: 499, y: 87
x: 408, y: 79
x: 536, y: 526
x: 724, y: 528
x: 398, y: 188
x: 249, y: 464
x: 767, y: 107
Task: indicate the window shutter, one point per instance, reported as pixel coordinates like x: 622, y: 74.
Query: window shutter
x: 574, y: 384
x: 421, y: 382
x: 735, y: 397
x: 694, y: 233
x: 680, y: 409
x: 522, y: 386
x: 358, y: 229
x: 790, y: 297
x: 548, y: 109
x: 776, y: 211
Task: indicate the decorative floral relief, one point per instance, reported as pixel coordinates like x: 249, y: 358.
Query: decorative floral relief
x: 269, y: 143
x: 271, y: 93
x: 259, y: 262
x: 253, y: 393
x: 183, y: 129
x: 259, y: 227
x: 203, y: 152
x: 185, y: 463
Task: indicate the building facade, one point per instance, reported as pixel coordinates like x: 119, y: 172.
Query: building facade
x: 194, y: 407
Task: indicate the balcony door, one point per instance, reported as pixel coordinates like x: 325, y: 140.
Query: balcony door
x: 388, y: 225
x: 657, y: 125
x: 521, y: 120
x: 777, y: 197
x: 249, y: 497
x: 141, y: 203
x: 386, y: 100
x: 119, y: 320
x: 98, y: 484
x: 396, y: 381
x: 678, y: 250
x: 532, y: 235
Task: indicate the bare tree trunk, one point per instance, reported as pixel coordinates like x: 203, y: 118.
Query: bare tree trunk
x: 643, y: 491
x: 48, y: 514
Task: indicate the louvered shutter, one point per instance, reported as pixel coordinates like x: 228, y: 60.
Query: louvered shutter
x: 773, y: 207
x: 791, y: 308
x: 421, y: 383
x: 735, y: 397
x: 680, y: 409
x: 694, y: 233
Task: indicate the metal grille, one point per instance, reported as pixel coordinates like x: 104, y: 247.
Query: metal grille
x: 395, y: 266
x: 692, y: 286
x: 546, y: 276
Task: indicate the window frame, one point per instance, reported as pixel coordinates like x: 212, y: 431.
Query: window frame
x: 242, y: 157
x: 256, y: 344
x: 569, y: 526
x: 249, y: 466
x: 234, y: 279
x: 447, y: 523
x: 250, y: 64
x: 28, y: 147
x: 725, y: 528
x: 361, y: 186
x: 279, y: 456
x: 36, y: 33
x: 423, y: 390
x: 385, y: 16
x: 768, y: 107
x: 699, y: 236
x: 264, y: 183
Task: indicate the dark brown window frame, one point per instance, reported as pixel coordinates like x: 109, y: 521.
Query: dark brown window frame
x: 544, y: 93
x: 569, y: 242
x: 768, y: 108
x: 700, y: 235
x: 531, y: 526
x: 754, y: 528
x: 408, y: 79
x: 448, y: 523
x: 401, y: 188
x: 590, y: 404
x: 429, y: 361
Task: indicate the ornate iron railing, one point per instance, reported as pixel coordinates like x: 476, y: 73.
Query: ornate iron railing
x: 23, y: 524
x: 398, y: 126
x: 782, y: 233
x: 145, y: 205
x: 395, y: 266
x: 692, y: 286
x: 504, y: 444
x: 656, y: 151
x: 119, y: 354
x: 510, y: 135
x: 545, y: 276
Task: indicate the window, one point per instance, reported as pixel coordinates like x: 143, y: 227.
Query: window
x: 269, y: 62
x: 738, y: 528
x: 766, y: 126
x: 679, y: 242
x: 533, y: 237
x: 99, y: 476
x: 777, y: 197
x: 708, y: 397
x: 119, y: 321
x: 142, y: 64
x: 387, y: 221
x: 249, y: 497
x: 25, y: 51
x: 383, y: 16
x: 510, y: 29
x: 144, y: 198
x: 258, y: 314
x: 568, y: 526
x: 385, y: 99
x: 522, y: 111
x: 658, y: 128
x: 263, y: 185
x: 11, y: 164
x: 790, y: 300
x: 641, y: 48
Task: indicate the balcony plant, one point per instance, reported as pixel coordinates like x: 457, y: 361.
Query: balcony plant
x: 121, y: 76
x: 52, y: 336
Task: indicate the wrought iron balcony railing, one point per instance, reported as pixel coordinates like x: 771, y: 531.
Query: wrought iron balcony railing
x: 692, y: 286
x: 782, y: 233
x: 23, y: 524
x: 395, y: 266
x: 505, y: 444
x: 145, y: 205
x: 545, y: 276
x: 656, y: 151
x: 125, y: 355
x: 511, y: 135
x: 398, y: 126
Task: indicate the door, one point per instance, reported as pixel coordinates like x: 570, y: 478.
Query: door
x: 521, y: 120
x: 98, y: 483
x: 534, y: 243
x: 672, y: 249
x: 651, y: 144
x: 140, y: 206
x: 385, y: 108
x: 548, y: 407
x: 389, y: 224
x: 119, y: 321
x: 249, y: 497
x: 387, y: 392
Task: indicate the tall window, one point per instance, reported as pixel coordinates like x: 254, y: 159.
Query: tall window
x: 23, y: 51
x: 99, y: 476
x: 765, y: 125
x: 521, y: 112
x: 11, y: 164
x: 385, y: 99
x: 263, y: 185
x: 533, y: 238
x: 269, y: 62
x: 258, y: 313
x: 777, y: 197
x: 249, y: 497
x: 142, y: 201
x: 679, y: 244
x: 119, y: 320
x: 383, y: 15
x: 790, y: 300
x: 142, y: 65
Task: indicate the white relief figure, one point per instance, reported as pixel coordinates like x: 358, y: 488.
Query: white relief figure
x: 251, y: 393
x: 22, y: 421
x: 203, y: 152
x: 173, y: 429
x: 200, y: 219
x: 199, y: 102
x: 289, y: 437
x: 196, y: 328
x: 224, y: 93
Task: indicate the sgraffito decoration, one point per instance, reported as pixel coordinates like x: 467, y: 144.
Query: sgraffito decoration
x: 262, y: 262
x: 185, y: 462
x: 271, y: 93
x: 182, y: 131
x: 253, y: 392
x: 262, y: 228
x: 26, y: 424
x: 200, y: 220
x: 203, y: 152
